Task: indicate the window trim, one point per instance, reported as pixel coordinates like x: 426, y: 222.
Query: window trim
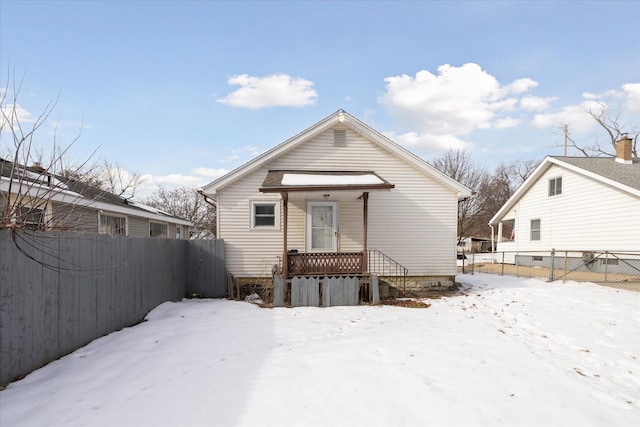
x: 113, y: 215
x: 276, y: 214
x: 532, y: 230
x: 166, y: 224
x: 555, y: 192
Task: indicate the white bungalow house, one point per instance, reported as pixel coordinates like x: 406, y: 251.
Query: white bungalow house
x: 339, y: 198
x: 585, y: 205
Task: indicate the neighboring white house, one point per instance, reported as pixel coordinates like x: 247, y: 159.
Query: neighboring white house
x: 331, y: 195
x: 53, y: 202
x: 579, y: 204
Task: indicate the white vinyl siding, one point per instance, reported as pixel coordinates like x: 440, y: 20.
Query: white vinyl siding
x: 414, y: 223
x: 589, y: 216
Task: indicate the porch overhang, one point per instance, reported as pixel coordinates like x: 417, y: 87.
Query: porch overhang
x: 301, y: 181
x: 287, y: 181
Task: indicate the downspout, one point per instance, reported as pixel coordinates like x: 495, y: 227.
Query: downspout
x: 211, y: 202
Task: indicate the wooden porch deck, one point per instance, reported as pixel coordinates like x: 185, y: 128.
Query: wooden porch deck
x: 326, y: 263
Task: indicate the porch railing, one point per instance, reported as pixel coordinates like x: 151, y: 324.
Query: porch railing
x: 325, y: 263
x: 382, y: 265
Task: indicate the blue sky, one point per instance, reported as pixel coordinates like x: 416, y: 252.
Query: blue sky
x: 183, y: 91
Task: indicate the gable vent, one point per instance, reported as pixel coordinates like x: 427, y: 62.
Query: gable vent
x: 339, y: 137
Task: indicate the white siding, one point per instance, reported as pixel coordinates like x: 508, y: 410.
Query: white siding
x: 588, y: 215
x: 414, y: 223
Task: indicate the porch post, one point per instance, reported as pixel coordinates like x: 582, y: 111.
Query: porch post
x: 285, y: 217
x: 365, y: 255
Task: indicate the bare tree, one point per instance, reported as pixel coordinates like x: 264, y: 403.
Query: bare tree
x: 496, y: 190
x: 186, y: 203
x: 29, y: 181
x: 457, y: 164
x: 610, y: 122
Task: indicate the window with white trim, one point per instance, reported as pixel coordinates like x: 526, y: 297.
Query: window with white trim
x: 112, y: 225
x: 265, y: 214
x: 158, y: 229
x: 555, y: 186
x: 32, y: 218
x: 535, y: 229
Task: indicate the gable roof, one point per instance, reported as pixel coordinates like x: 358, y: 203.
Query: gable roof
x: 346, y: 119
x: 38, y: 182
x: 625, y: 177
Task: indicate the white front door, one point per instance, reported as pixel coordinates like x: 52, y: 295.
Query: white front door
x: 322, y: 227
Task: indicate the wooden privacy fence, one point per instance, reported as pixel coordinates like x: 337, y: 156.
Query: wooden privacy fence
x: 59, y: 291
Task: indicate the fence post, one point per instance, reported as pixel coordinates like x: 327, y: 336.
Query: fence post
x: 606, y: 265
x: 502, y: 270
x: 473, y: 262
x: 552, y: 264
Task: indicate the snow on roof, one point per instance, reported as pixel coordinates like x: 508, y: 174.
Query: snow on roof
x: 148, y: 208
x: 324, y: 179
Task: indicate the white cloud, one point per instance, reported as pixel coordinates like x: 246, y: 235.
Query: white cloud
x: 200, y: 176
x: 623, y: 105
x: 633, y: 96
x: 210, y: 172
x: 16, y: 114
x: 507, y: 122
x: 437, y: 110
x: 434, y: 142
x: 575, y: 116
x: 536, y: 103
x: 275, y: 90
x: 522, y: 85
x: 237, y: 153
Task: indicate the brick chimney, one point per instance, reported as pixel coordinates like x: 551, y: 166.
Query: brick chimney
x: 623, y: 150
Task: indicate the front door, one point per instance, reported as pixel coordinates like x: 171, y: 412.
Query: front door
x: 322, y: 227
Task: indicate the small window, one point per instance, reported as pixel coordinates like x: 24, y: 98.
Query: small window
x: 158, y: 229
x: 535, y: 229
x: 264, y: 214
x: 32, y: 218
x: 112, y: 225
x: 339, y: 137
x: 537, y: 258
x: 609, y: 261
x: 555, y: 186
x: 178, y: 232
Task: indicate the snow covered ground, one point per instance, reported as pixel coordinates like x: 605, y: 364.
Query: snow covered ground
x: 506, y: 352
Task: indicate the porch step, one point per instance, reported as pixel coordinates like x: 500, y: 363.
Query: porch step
x: 387, y: 291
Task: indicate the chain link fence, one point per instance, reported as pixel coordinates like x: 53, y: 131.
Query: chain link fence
x: 616, y: 269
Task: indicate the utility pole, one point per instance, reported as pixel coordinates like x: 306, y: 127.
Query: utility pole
x: 566, y: 136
